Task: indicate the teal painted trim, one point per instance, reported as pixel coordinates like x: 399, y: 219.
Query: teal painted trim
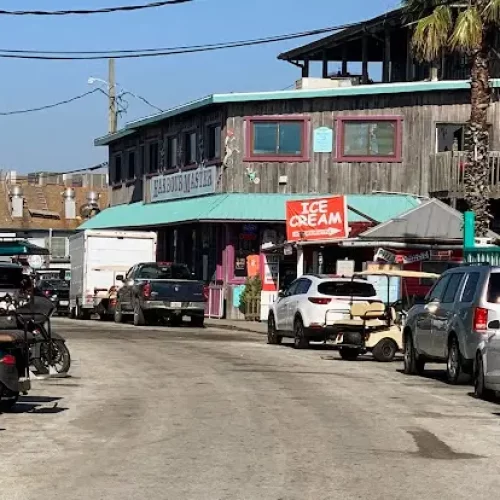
x: 469, y: 229
x: 356, y: 90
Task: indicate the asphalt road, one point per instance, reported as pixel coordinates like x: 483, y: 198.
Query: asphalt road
x: 160, y: 413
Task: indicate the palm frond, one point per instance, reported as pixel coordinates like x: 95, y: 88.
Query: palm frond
x: 468, y: 32
x: 432, y: 33
x: 491, y: 12
x: 414, y: 10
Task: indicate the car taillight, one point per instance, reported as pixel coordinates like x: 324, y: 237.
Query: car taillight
x: 146, y: 291
x: 480, y: 322
x: 47, y: 293
x: 205, y: 293
x: 8, y: 359
x: 112, y: 302
x: 319, y: 300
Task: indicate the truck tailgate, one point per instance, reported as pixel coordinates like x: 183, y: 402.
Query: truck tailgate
x: 177, y: 290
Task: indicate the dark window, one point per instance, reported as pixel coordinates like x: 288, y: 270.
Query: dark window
x: 346, y: 289
x: 277, y: 138
x: 153, y: 158
x: 118, y: 170
x: 131, y: 165
x: 493, y: 294
x: 452, y: 288
x: 247, y: 244
x: 190, y: 145
x: 214, y: 142
x: 157, y: 272
x: 303, y: 286
x: 470, y: 287
x: 292, y: 289
x: 11, y: 277
x: 172, y: 152
x: 130, y: 273
x: 437, y: 290
x: 371, y: 139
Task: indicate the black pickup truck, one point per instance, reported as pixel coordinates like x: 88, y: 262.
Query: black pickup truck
x: 156, y: 290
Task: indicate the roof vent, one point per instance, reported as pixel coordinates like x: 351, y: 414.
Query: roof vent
x: 69, y: 203
x: 17, y: 201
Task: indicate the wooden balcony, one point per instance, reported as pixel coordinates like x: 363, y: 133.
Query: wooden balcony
x: 446, y: 177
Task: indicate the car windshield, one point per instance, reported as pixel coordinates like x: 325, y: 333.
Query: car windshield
x: 347, y: 289
x: 55, y: 284
x: 11, y: 277
x: 173, y: 271
x: 493, y: 295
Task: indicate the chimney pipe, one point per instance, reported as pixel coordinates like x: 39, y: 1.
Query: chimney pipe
x: 69, y: 203
x: 17, y: 201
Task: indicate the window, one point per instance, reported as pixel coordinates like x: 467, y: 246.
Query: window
x: 213, y: 142
x: 190, y: 145
x: 493, y: 295
x: 153, y: 158
x: 279, y: 139
x: 131, y: 165
x: 292, y: 289
x: 117, y: 170
x: 469, y: 292
x: 436, y: 267
x: 246, y: 244
x: 370, y: 139
x: 172, y: 152
x: 437, y: 291
x: 158, y: 272
x: 452, y: 288
x: 347, y: 289
x: 303, y: 286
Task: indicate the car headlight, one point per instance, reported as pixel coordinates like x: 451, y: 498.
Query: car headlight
x: 54, y: 297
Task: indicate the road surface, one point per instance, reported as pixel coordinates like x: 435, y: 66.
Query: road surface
x: 163, y: 413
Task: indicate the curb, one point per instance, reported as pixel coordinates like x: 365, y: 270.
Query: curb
x: 234, y: 328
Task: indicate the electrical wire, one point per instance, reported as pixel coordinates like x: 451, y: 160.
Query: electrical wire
x: 104, y: 10
x: 49, y: 106
x: 169, y: 52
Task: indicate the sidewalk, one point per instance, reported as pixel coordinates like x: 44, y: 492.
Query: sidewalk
x: 238, y: 326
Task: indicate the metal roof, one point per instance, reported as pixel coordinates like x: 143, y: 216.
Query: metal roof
x: 238, y: 207
x: 431, y: 220
x: 354, y: 91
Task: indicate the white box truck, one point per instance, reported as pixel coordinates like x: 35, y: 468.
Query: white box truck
x: 97, y: 257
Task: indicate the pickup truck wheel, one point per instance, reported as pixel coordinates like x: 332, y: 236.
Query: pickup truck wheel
x: 139, y: 319
x: 118, y: 313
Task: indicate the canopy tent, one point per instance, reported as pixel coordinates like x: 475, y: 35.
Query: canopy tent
x: 21, y: 247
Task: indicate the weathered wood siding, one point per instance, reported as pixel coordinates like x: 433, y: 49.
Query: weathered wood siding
x: 420, y: 111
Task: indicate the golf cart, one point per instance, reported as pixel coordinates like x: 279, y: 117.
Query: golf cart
x: 377, y: 327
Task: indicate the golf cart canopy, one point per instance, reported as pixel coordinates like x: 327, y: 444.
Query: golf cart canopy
x: 21, y: 247
x: 398, y: 273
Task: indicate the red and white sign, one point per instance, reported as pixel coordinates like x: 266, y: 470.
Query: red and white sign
x: 317, y: 219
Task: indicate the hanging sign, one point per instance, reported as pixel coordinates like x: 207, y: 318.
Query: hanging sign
x: 317, y: 219
x: 323, y: 140
x: 183, y: 184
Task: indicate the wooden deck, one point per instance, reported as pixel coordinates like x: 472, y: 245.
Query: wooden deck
x: 447, y: 174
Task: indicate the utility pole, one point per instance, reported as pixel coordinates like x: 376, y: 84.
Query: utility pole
x: 112, y: 96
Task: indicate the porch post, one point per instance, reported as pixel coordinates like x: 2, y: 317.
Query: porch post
x: 386, y: 65
x: 344, y: 61
x: 325, y: 65
x: 409, y: 58
x: 364, y: 59
x: 305, y: 68
x: 300, y: 261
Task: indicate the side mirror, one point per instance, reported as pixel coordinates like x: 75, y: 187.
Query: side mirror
x: 281, y: 294
x: 119, y: 277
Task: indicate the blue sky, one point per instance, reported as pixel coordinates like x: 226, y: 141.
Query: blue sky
x: 61, y: 139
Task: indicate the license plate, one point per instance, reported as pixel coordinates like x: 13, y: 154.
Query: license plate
x: 176, y: 305
x: 64, y: 302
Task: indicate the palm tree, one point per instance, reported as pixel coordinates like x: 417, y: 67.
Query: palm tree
x: 466, y: 26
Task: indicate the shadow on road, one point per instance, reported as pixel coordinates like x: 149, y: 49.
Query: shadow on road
x: 35, y: 404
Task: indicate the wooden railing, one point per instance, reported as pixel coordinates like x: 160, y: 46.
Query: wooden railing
x: 447, y: 173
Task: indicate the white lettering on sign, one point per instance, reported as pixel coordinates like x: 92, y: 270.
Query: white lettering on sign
x: 183, y: 184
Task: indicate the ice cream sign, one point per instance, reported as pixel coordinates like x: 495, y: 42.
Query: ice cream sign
x: 317, y: 219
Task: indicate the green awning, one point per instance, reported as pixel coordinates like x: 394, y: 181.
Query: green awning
x: 239, y: 207
x: 14, y: 248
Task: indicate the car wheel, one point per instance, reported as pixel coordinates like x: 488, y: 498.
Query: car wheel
x: 413, y: 364
x: 139, y: 319
x: 198, y: 321
x: 272, y: 336
x: 385, y: 350
x: 118, y: 313
x: 454, y: 364
x: 480, y: 389
x: 349, y: 353
x: 300, y: 339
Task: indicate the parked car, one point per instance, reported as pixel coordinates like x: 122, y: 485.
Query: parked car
x: 452, y: 326
x: 156, y: 290
x: 57, y: 290
x: 307, y: 310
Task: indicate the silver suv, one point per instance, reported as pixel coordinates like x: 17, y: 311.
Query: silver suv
x: 453, y: 321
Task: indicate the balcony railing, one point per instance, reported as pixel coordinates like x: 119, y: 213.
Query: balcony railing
x: 447, y: 174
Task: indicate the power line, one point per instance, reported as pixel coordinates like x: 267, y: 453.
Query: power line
x: 49, y: 106
x: 104, y: 10
x: 37, y: 55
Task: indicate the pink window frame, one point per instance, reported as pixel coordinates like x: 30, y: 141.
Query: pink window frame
x: 306, y: 132
x: 398, y: 140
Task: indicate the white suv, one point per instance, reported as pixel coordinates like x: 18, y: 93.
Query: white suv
x: 308, y: 309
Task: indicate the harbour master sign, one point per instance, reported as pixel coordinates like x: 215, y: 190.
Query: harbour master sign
x: 183, y: 184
